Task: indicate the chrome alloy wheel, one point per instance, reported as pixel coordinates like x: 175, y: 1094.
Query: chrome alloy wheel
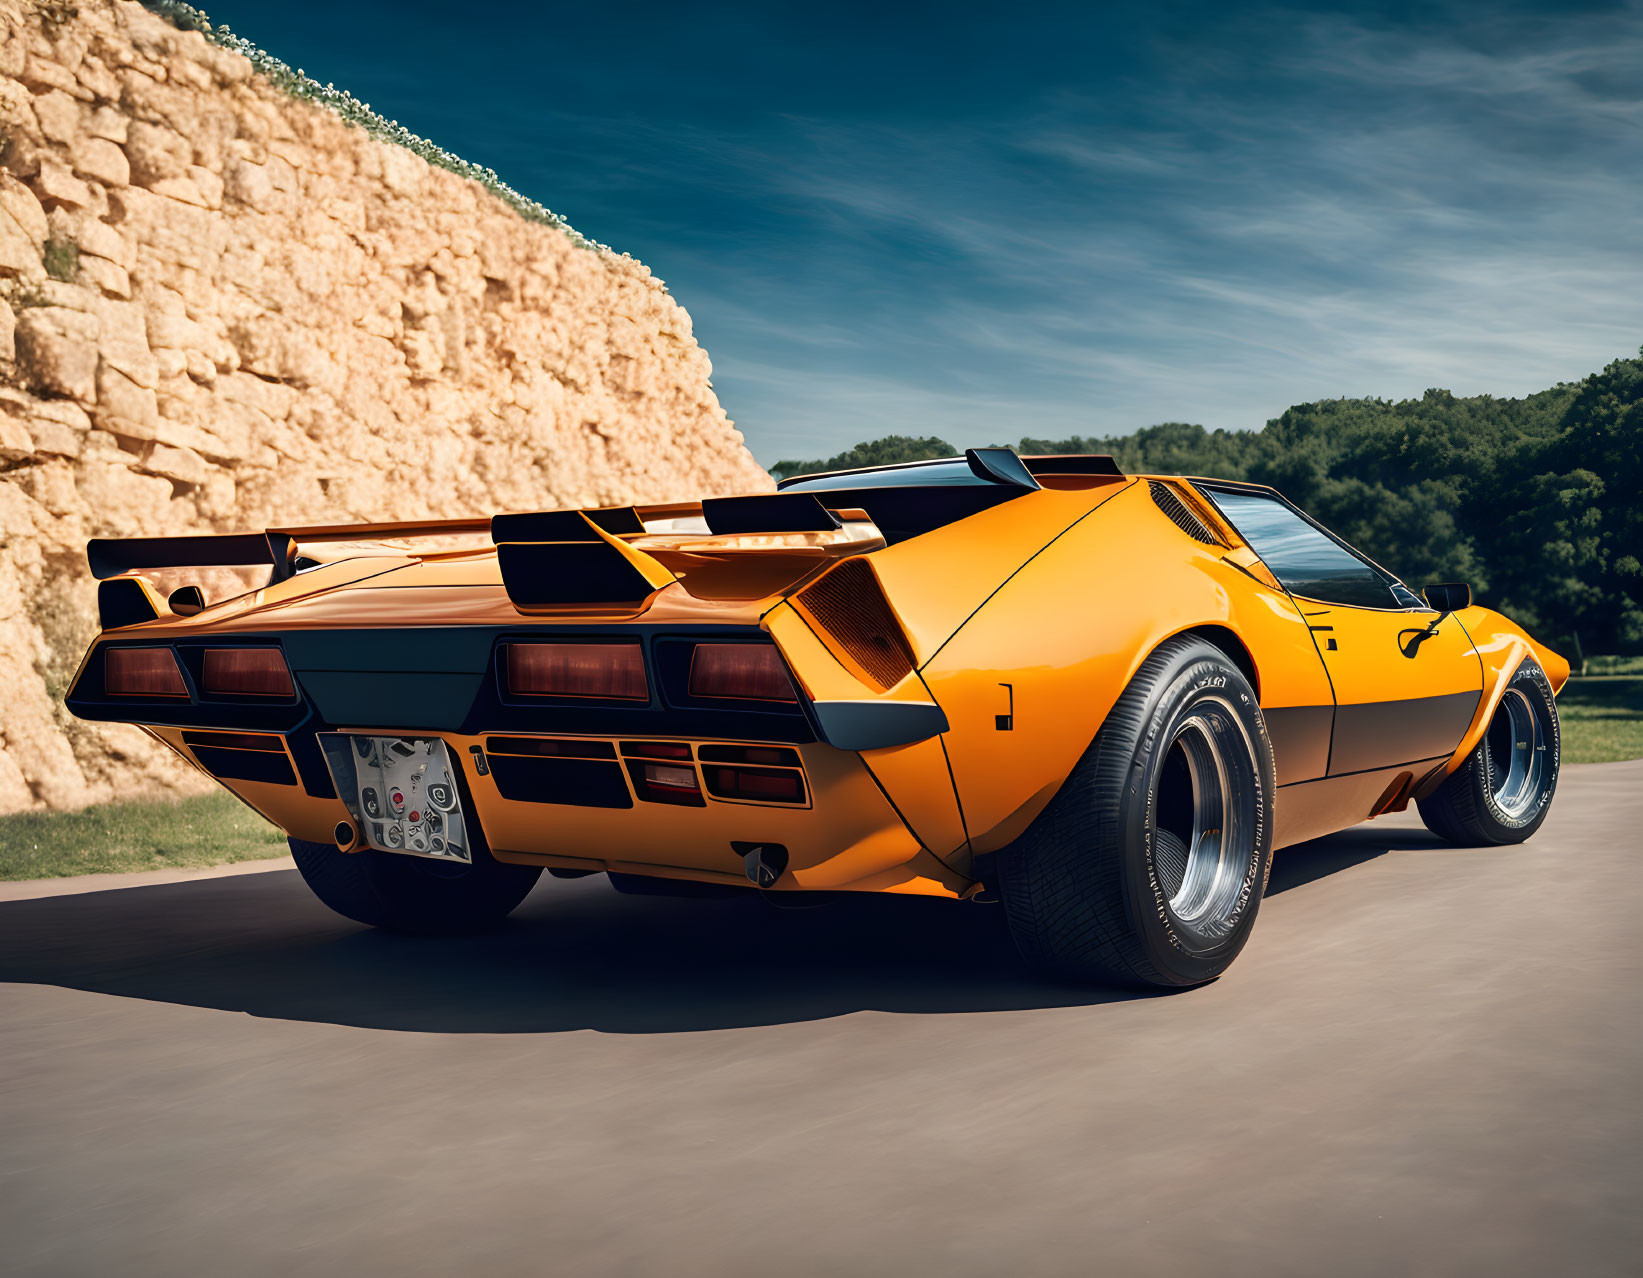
x: 1516, y: 755
x: 1204, y: 820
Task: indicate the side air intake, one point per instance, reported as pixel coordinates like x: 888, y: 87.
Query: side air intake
x: 1166, y: 500
x: 849, y: 605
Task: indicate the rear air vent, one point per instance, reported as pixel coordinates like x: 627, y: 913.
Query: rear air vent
x: 1164, y: 496
x: 848, y: 604
x: 242, y: 756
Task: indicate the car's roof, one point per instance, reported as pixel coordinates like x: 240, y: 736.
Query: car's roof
x: 947, y: 471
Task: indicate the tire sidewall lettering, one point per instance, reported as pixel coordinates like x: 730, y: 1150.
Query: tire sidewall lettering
x: 1532, y: 679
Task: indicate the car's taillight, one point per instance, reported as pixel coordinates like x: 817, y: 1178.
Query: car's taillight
x: 578, y: 670
x: 742, y: 671
x: 671, y: 778
x: 142, y: 672
x: 666, y: 783
x: 758, y: 785
x: 246, y: 672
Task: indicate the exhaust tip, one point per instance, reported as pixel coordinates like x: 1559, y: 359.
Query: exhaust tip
x: 346, y: 836
x: 763, y: 862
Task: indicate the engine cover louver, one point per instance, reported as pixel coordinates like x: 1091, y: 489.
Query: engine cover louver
x: 849, y: 605
x: 1167, y: 501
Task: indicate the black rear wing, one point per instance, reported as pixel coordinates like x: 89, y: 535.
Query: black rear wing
x: 128, y: 601
x: 111, y: 556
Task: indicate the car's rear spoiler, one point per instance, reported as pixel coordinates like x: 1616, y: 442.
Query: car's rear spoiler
x: 111, y: 556
x: 555, y: 557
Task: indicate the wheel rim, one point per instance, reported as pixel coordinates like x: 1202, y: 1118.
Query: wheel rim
x: 1202, y: 831
x: 1516, y: 761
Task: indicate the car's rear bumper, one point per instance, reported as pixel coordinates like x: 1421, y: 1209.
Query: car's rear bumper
x: 846, y: 835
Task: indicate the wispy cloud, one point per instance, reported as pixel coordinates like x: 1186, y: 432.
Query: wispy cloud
x: 1438, y: 213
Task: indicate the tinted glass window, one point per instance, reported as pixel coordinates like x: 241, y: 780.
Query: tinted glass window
x: 1308, y: 563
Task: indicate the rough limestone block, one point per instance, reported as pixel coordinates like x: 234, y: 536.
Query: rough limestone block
x: 156, y: 153
x: 22, y: 207
x: 57, y: 352
x: 59, y: 117
x: 101, y: 161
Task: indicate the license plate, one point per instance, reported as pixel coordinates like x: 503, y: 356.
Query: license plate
x: 403, y: 791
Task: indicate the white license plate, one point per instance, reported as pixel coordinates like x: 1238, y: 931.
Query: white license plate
x: 405, y: 796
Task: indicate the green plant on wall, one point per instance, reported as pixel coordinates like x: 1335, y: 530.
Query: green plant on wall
x: 62, y: 259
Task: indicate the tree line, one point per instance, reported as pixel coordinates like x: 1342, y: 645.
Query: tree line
x: 1536, y: 502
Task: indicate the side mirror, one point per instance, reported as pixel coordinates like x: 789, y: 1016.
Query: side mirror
x: 1449, y: 597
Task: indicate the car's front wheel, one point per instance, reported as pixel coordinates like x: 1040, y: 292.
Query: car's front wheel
x: 403, y: 893
x: 1148, y: 866
x: 1501, y: 793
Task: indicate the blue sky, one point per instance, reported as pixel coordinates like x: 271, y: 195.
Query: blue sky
x: 988, y: 221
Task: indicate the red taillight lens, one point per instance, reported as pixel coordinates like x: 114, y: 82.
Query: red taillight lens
x: 744, y: 671
x: 578, y: 670
x: 246, y: 672
x: 142, y: 672
x: 761, y: 785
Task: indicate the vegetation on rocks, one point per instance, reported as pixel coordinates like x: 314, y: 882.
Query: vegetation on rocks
x: 61, y: 258
x: 187, y: 18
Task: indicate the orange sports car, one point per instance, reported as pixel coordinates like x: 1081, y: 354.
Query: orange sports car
x: 1103, y: 698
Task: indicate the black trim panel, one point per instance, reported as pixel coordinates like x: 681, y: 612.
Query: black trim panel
x: 542, y: 574
x: 900, y: 513
x: 878, y: 725
x: 768, y: 513
x: 429, y: 701
x: 581, y: 783
x: 565, y: 525
x: 1300, y: 740
x: 1390, y: 733
x: 123, y: 603
x: 245, y: 765
x: 1072, y: 464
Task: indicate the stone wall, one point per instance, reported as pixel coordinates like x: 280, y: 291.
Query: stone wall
x: 223, y: 308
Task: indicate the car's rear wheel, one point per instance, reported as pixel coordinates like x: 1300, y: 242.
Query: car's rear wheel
x: 1503, y: 790
x: 1148, y: 865
x: 414, y: 894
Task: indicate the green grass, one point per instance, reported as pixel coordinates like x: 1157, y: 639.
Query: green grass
x: 1614, y: 666
x: 1602, y: 718
x: 122, y: 837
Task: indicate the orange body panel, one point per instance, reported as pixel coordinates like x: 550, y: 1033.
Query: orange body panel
x: 1501, y: 647
x: 935, y: 582
x: 1066, y: 677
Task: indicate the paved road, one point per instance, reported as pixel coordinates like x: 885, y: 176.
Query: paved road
x: 1427, y: 1061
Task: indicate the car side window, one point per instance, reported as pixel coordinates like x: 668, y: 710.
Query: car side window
x: 1309, y: 562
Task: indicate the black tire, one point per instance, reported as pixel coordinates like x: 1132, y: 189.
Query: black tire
x: 1488, y: 801
x: 411, y: 893
x: 1091, y: 889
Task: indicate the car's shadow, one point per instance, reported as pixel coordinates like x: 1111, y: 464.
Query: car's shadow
x: 1307, y: 862
x: 576, y: 956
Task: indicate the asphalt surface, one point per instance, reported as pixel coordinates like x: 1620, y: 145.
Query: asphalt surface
x: 1428, y: 1060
